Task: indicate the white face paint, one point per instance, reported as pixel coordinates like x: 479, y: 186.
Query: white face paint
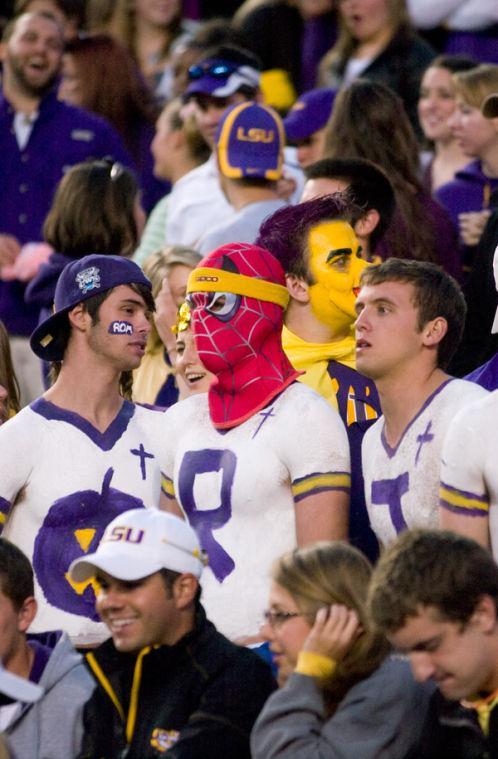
x: 120, y: 328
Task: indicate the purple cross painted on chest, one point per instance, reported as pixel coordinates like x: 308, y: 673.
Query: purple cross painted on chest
x: 142, y: 453
x: 266, y: 415
x: 425, y: 437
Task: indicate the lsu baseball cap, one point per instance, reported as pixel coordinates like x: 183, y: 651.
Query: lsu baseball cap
x: 79, y: 281
x: 250, y: 142
x: 490, y: 106
x: 140, y: 542
x: 309, y: 114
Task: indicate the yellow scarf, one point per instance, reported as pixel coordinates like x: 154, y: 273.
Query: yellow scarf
x: 313, y: 360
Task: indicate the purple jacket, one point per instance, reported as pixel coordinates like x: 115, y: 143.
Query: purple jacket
x: 62, y: 136
x: 469, y: 191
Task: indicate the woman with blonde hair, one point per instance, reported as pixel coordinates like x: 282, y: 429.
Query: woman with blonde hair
x: 467, y: 197
x: 344, y: 695
x: 436, y: 105
x: 377, y: 42
x: 168, y: 270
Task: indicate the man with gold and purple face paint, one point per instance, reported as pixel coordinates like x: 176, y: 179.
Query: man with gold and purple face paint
x: 320, y: 254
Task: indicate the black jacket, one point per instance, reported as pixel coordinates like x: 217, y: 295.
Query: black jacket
x: 400, y: 66
x: 478, y: 344
x: 451, y: 731
x: 198, y: 698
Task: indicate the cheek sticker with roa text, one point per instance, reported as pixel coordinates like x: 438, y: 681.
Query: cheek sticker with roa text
x: 120, y: 328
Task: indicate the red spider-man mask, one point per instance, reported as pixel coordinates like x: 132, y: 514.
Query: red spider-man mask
x: 237, y: 295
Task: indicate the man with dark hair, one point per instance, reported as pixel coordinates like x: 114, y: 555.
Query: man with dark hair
x: 368, y: 187
x: 34, y: 124
x: 410, y: 321
x: 227, y: 75
x: 46, y: 719
x: 249, y: 153
x: 167, y: 680
x: 435, y: 596
x: 79, y: 455
x: 321, y: 257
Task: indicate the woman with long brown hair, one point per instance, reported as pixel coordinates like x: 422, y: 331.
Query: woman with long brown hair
x: 9, y: 388
x: 369, y: 121
x: 376, y: 41
x: 100, y: 75
x: 343, y: 693
x: 151, y: 31
x: 96, y: 208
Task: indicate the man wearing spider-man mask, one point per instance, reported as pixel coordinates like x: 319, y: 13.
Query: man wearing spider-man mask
x: 260, y: 463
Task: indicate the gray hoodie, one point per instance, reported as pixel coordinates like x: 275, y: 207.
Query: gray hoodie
x: 52, y: 727
x: 380, y: 717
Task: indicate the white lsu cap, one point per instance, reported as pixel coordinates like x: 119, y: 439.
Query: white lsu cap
x: 140, y: 542
x: 494, y: 328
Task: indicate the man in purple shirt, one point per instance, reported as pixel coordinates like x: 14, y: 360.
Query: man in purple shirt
x: 40, y: 138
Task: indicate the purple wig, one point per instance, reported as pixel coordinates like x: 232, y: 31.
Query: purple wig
x: 285, y: 233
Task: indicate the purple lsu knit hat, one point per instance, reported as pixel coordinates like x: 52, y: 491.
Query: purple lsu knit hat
x: 249, y: 142
x: 79, y: 281
x: 309, y: 114
x: 220, y: 78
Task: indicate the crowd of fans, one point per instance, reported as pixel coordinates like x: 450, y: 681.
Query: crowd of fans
x: 248, y: 361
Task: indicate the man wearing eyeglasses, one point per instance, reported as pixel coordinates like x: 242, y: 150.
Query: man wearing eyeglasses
x: 40, y: 138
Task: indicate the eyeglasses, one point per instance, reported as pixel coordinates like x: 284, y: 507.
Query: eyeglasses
x: 216, y: 70
x: 278, y: 618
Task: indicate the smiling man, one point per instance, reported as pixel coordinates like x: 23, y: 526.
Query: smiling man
x: 79, y: 455
x: 40, y: 138
x: 410, y: 321
x: 167, y: 681
x: 435, y: 596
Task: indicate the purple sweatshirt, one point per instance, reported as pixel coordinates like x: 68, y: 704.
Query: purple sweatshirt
x: 62, y: 136
x: 469, y: 191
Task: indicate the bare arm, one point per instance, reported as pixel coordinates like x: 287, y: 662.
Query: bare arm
x: 476, y: 527
x: 322, y: 516
x: 171, y: 505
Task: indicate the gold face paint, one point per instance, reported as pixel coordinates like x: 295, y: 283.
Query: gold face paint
x: 335, y: 267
